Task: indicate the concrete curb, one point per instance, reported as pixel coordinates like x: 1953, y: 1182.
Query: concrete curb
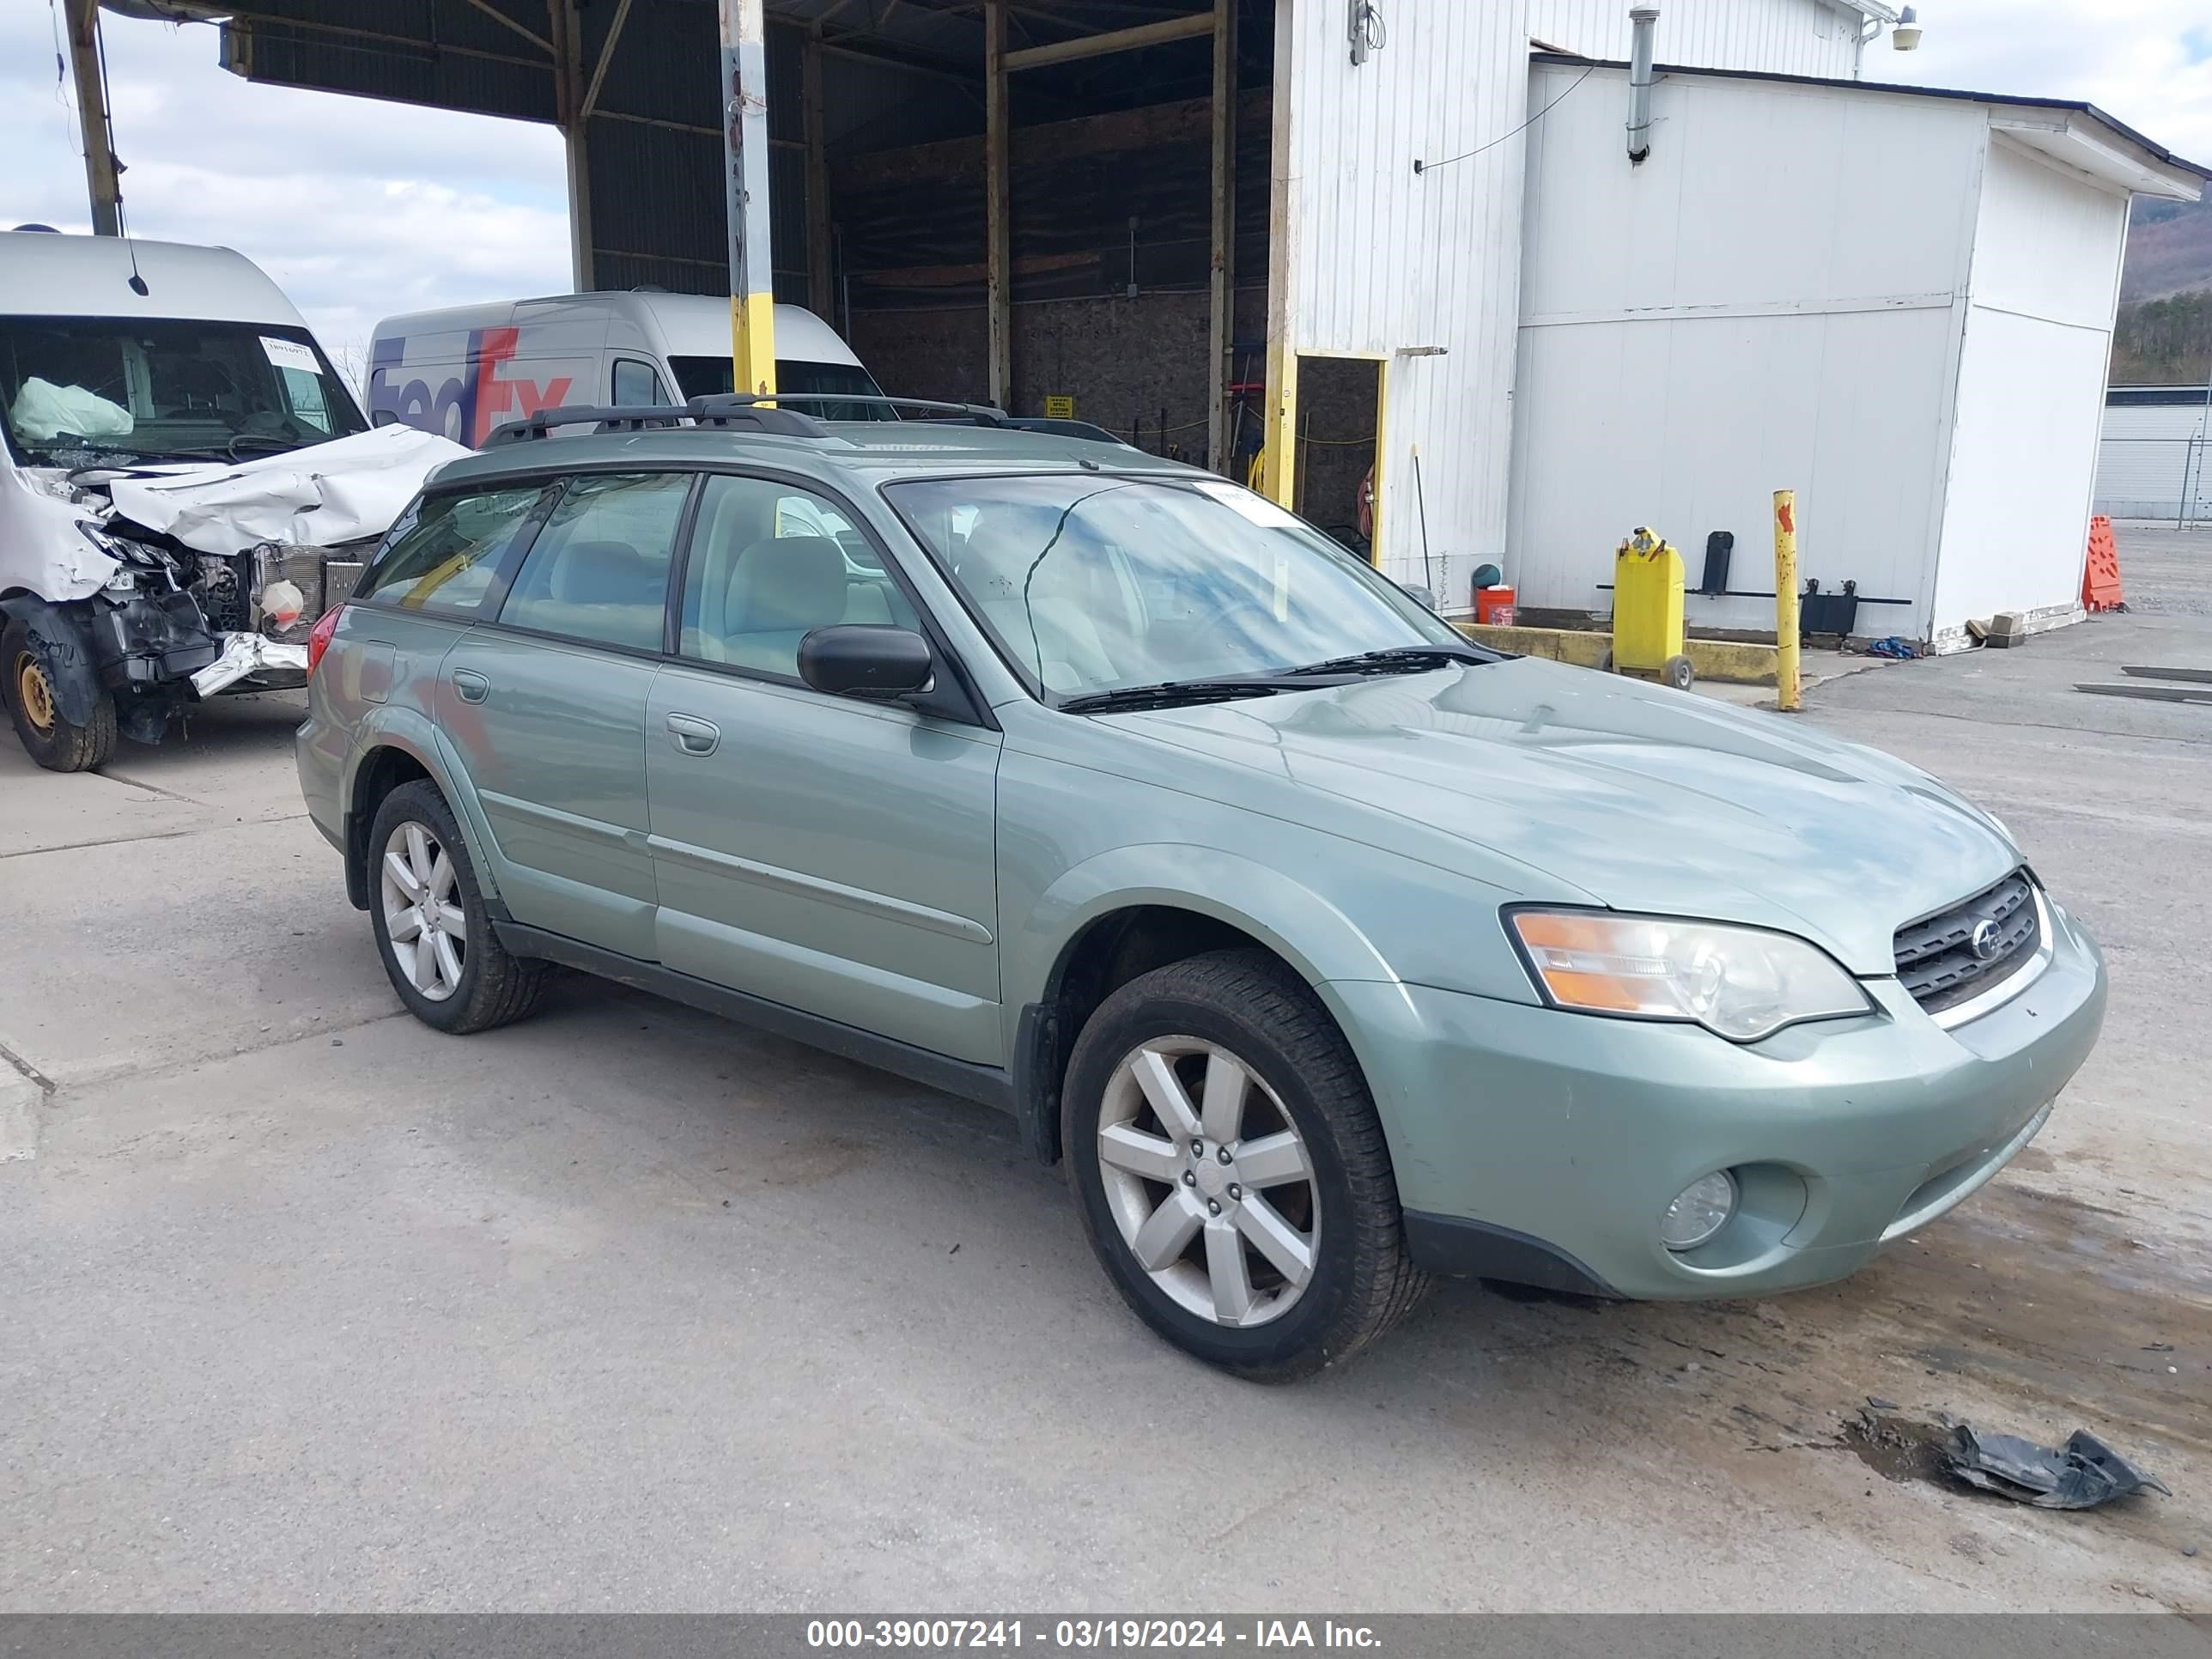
x: 1731, y: 661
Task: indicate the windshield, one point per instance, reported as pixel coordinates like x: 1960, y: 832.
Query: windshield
x: 1095, y: 583
x: 160, y: 389
x: 707, y: 377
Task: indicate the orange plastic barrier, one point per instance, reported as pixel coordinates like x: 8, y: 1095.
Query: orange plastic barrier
x: 2100, y: 581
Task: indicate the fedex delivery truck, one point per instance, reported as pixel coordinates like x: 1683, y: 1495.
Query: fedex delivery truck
x: 461, y: 371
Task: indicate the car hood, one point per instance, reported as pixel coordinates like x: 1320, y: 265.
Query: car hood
x: 1636, y: 797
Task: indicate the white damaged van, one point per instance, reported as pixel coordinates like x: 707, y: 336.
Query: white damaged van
x: 186, y: 483
x: 461, y: 371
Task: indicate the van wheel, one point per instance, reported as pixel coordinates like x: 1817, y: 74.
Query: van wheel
x: 1230, y: 1170
x: 52, y: 739
x: 432, y: 930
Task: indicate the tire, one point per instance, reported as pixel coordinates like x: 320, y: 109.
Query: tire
x: 1679, y: 672
x: 493, y: 986
x: 51, y: 739
x: 1295, y: 1074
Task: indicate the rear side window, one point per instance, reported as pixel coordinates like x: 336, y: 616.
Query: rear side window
x: 599, y: 571
x: 444, y: 553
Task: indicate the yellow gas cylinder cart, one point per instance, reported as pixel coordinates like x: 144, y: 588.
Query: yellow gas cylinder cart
x: 1647, y: 610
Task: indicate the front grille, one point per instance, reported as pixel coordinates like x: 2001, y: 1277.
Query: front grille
x: 1937, y: 961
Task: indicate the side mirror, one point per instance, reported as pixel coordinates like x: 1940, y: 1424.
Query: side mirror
x: 1415, y: 590
x: 866, y: 660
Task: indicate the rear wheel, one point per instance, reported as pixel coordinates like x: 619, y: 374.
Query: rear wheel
x: 52, y: 739
x: 1231, y: 1170
x: 432, y: 928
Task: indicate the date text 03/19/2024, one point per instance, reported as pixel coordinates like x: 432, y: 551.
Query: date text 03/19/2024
x: 946, y: 1635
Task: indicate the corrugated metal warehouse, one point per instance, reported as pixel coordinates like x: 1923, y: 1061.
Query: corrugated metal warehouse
x: 1304, y: 226
x: 2155, y: 458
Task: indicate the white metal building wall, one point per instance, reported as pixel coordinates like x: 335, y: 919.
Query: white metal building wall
x: 1772, y: 299
x: 2038, y: 335
x: 1779, y: 37
x: 1388, y: 263
x: 1423, y: 271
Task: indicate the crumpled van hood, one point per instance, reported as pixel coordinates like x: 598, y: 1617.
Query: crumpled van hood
x: 1642, y: 798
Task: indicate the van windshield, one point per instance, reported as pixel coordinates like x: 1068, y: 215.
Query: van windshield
x: 707, y: 376
x: 165, y: 389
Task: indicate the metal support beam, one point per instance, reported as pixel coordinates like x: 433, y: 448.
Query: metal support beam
x: 1279, y: 421
x: 606, y: 56
x: 1097, y: 45
x: 568, y: 44
x: 819, y: 294
x: 499, y: 17
x: 998, y: 259
x: 1221, y: 332
x: 745, y: 179
x: 101, y: 180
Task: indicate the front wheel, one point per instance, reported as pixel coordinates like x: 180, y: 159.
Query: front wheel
x: 50, y: 737
x: 1230, y: 1170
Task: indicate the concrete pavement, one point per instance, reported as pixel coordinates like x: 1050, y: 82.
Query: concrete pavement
x: 310, y: 1308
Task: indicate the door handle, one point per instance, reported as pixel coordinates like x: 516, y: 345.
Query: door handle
x: 472, y: 686
x: 693, y: 736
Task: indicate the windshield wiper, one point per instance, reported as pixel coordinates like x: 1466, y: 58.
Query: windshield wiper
x: 1166, y: 695
x: 1400, y: 660
x: 227, y: 451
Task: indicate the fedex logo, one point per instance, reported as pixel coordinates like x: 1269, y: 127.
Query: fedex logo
x: 464, y: 407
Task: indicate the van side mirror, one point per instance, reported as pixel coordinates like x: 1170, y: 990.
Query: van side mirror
x: 866, y: 660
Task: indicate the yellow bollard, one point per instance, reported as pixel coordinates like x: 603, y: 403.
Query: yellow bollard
x: 1785, y: 599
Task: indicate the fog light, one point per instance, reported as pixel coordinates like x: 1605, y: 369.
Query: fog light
x: 1699, y: 1209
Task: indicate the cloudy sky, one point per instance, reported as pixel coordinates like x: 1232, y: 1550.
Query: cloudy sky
x: 361, y: 210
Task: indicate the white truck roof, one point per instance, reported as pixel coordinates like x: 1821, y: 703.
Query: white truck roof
x: 690, y: 325
x: 49, y: 274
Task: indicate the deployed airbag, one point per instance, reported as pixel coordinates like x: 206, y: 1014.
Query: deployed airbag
x: 43, y: 411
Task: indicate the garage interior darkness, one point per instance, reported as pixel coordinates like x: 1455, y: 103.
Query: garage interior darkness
x: 879, y: 131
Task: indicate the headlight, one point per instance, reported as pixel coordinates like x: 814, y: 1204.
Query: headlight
x: 122, y: 548
x: 1742, y: 983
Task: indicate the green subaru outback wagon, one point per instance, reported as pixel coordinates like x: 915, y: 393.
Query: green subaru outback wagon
x: 1329, y: 951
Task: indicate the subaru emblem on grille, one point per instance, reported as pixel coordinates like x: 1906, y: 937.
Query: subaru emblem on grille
x: 1985, y: 939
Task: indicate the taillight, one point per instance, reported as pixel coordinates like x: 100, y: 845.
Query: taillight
x: 319, y: 641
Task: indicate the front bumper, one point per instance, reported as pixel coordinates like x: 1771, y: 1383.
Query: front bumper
x: 1543, y: 1147
x: 267, y: 662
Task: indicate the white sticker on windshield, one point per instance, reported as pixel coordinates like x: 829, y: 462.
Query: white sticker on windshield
x: 290, y: 354
x: 1247, y: 505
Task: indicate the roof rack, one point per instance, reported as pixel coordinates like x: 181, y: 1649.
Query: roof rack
x: 980, y: 414
x: 764, y: 412
x: 641, y: 417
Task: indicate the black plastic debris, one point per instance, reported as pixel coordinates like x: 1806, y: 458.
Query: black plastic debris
x: 2081, y: 1475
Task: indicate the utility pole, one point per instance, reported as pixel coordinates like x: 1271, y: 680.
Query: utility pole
x: 744, y: 153
x: 96, y: 132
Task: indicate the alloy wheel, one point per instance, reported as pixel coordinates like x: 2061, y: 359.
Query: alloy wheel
x: 422, y: 917
x: 1209, y: 1181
